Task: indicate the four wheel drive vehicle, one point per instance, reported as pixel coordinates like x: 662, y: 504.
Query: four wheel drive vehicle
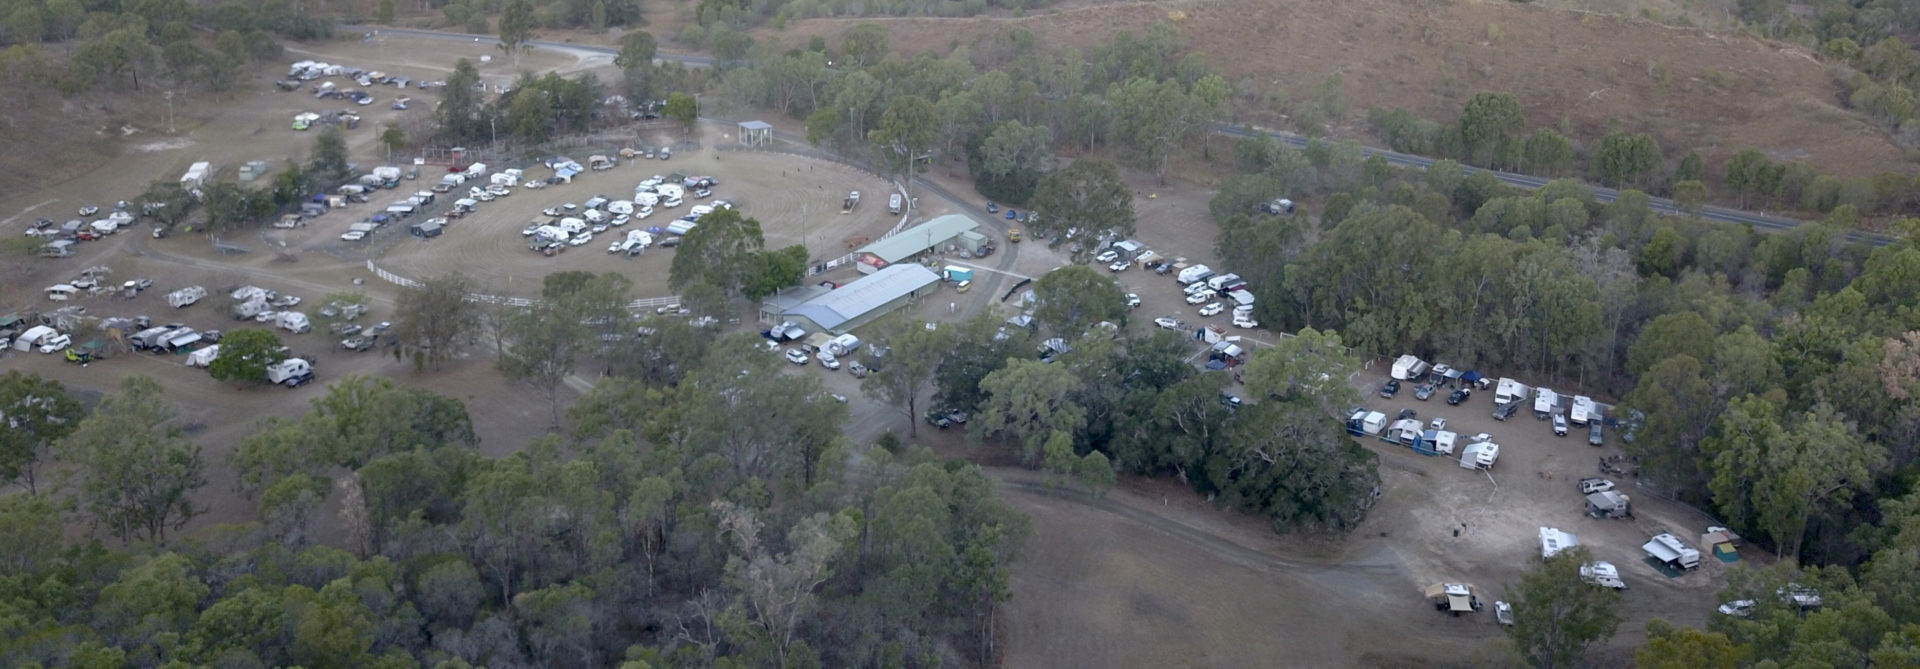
x: 1559, y: 425
x: 357, y: 343
x: 1423, y: 391
x: 858, y: 370
x: 1594, y: 436
x: 1503, y: 612
x: 1168, y: 323
x: 796, y: 356
x: 939, y: 420
x: 1107, y: 256
x: 1593, y: 484
x: 993, y: 208
x: 828, y: 361
x: 1407, y: 414
x: 343, y: 329
x: 1231, y: 399
x: 669, y: 242
x: 1739, y: 608
x: 1013, y: 235
x: 1198, y: 298
x: 1213, y: 309
x: 1119, y: 266
x: 1505, y: 411
x: 1133, y: 301
x: 1459, y: 396
x: 378, y: 329
x: 1392, y: 388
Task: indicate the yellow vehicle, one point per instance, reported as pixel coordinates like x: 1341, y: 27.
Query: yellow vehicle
x: 1013, y: 235
x: 962, y: 287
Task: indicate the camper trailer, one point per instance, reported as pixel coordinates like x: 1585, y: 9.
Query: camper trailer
x: 1673, y: 552
x: 1603, y: 574
x: 1509, y: 391
x: 1545, y: 403
x: 1408, y: 368
x: 1552, y: 541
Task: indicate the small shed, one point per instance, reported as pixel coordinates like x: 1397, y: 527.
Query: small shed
x: 755, y: 133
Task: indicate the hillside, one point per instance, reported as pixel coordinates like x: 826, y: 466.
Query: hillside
x: 1690, y: 88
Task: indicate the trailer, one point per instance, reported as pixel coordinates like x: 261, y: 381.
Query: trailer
x: 292, y: 372
x: 1409, y: 368
x: 1609, y: 504
x: 1479, y: 455
x: 1509, y: 391
x: 196, y: 174
x: 1673, y: 552
x: 1545, y: 403
x: 203, y: 357
x: 1584, y: 410
x: 1552, y: 541
x: 1603, y: 574
x: 1363, y: 422
x: 185, y: 297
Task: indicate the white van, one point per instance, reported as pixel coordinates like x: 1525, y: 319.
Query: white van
x: 620, y: 207
x: 671, y: 201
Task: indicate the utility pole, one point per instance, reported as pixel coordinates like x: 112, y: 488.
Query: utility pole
x: 169, y: 96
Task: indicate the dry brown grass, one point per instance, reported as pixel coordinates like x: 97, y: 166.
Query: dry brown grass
x: 1692, y: 89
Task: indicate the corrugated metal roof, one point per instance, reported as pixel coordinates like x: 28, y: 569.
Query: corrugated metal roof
x: 870, y: 292
x: 918, y: 238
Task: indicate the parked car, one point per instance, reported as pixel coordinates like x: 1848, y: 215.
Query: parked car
x: 993, y: 208
x: 1424, y: 391
x: 828, y: 361
x: 1593, y: 484
x: 1594, y: 435
x: 1011, y: 214
x: 796, y: 356
x: 1559, y: 424
x: 1213, y: 309
x: 939, y: 420
x: 1459, y: 396
x: 1166, y: 322
x: 1107, y: 256
x: 1133, y: 301
x: 1505, y: 411
x: 1198, y: 298
x: 1437, y: 424
x: 1392, y: 388
x: 357, y: 343
x: 1739, y: 608
x: 1231, y: 399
